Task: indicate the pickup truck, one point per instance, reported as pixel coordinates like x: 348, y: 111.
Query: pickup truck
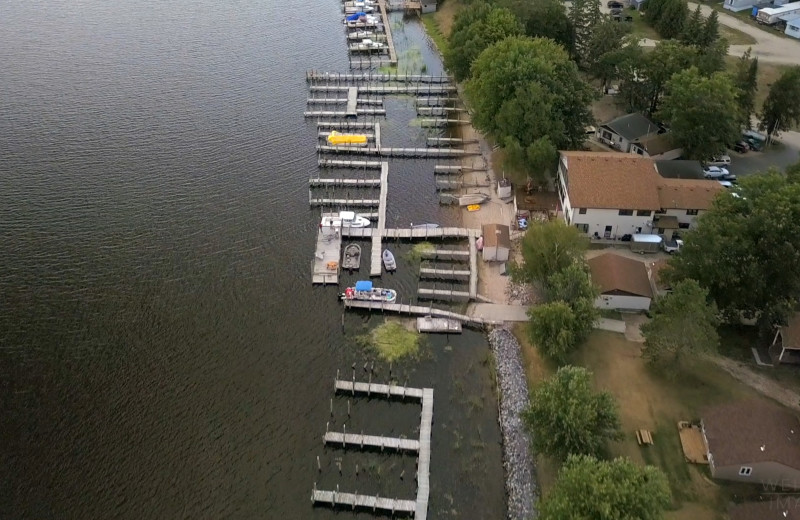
x: 672, y: 246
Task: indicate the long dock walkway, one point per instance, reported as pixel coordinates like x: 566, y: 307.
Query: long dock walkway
x: 445, y: 232
x: 388, y: 30
x: 385, y: 151
x: 339, y: 77
x: 418, y: 89
x: 375, y: 256
x: 357, y: 388
x: 371, y: 441
x: 424, y: 466
x: 419, y: 310
x: 334, y: 498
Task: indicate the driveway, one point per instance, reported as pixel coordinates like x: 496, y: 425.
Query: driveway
x: 779, y: 157
x: 770, y: 47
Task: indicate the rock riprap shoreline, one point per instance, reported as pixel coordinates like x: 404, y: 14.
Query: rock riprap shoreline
x: 517, y: 459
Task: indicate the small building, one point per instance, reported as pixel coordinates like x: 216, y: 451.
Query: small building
x: 739, y: 5
x: 792, y: 26
x: 428, y: 6
x: 658, y: 147
x: 753, y: 441
x: 623, y: 282
x: 496, y: 243
x: 619, y: 133
x: 772, y: 509
x: 785, y: 346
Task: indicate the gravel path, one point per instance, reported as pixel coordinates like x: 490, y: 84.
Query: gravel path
x: 517, y: 460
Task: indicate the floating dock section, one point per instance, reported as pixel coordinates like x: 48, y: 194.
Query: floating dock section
x: 430, y: 325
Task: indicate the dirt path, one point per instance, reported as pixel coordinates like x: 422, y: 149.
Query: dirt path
x: 760, y: 383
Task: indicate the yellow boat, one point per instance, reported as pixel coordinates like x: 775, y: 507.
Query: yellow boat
x: 348, y: 139
x: 473, y: 207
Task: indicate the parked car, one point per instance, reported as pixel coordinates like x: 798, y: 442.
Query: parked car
x: 730, y: 178
x: 616, y: 11
x: 719, y: 160
x: 614, y: 4
x: 672, y: 246
x: 715, y: 172
x: 741, y: 147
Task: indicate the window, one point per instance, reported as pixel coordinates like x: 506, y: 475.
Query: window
x: 745, y: 471
x: 581, y: 211
x: 643, y: 212
x: 691, y: 212
x: 583, y: 228
x: 683, y: 225
x: 626, y: 212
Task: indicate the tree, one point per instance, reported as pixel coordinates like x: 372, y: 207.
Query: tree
x: 543, y: 19
x: 667, y: 16
x: 607, y: 39
x: 745, y: 250
x: 571, y: 284
x: 693, y: 29
x: 793, y: 173
x: 745, y: 79
x: 554, y: 329
x: 781, y: 110
x: 711, y: 58
x: 701, y: 112
x: 536, y: 162
x: 584, y: 15
x: 591, y: 489
x: 710, y: 32
x: 684, y: 324
x: 474, y: 30
x: 550, y: 247
x: 567, y: 417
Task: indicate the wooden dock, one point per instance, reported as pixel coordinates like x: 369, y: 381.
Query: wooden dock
x: 444, y: 274
x: 344, y: 182
x: 321, y: 201
x: 338, y: 163
x: 371, y: 441
x: 419, y: 89
x: 439, y: 111
x: 443, y: 294
x: 346, y: 125
x: 339, y: 77
x: 375, y: 256
x: 438, y: 122
x: 384, y: 151
x: 375, y: 503
x: 449, y: 141
x: 446, y: 254
x: 380, y: 390
x: 345, y: 113
x: 430, y: 324
x: 424, y: 466
x: 329, y: 244
x: 473, y: 267
x: 342, y: 101
x: 455, y: 168
x: 446, y: 232
x: 418, y: 310
x: 388, y: 30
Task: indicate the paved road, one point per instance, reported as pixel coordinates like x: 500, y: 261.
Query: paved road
x: 770, y: 47
x: 780, y: 157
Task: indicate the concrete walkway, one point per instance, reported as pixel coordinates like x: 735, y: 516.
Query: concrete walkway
x: 610, y: 325
x: 498, y: 312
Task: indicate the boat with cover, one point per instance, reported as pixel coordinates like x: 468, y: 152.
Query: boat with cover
x: 364, y: 291
x: 352, y: 256
x: 335, y: 138
x: 388, y: 260
x: 347, y: 219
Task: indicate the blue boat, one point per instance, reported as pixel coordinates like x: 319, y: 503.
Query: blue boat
x: 364, y: 291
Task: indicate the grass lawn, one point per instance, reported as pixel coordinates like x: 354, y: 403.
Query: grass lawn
x: 768, y: 73
x: 641, y: 28
x: 735, y: 36
x: 648, y: 400
x: 439, y: 23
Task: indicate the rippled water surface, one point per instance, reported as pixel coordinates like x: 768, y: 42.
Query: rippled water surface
x: 162, y: 351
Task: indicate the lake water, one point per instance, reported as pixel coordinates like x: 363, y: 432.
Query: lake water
x: 162, y: 351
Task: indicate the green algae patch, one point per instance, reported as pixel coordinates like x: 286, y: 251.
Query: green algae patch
x: 392, y: 341
x: 415, y: 255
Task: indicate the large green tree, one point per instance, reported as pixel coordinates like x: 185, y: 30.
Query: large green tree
x: 667, y: 16
x: 701, y: 112
x: 592, y: 489
x: 745, y: 250
x: 745, y: 79
x: 474, y: 30
x: 525, y: 89
x: 608, y: 37
x: 584, y: 15
x: 548, y: 248
x: 684, y: 324
x: 555, y: 329
x: 567, y: 417
x: 543, y: 19
x: 781, y: 110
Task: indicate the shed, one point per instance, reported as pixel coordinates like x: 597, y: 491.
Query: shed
x: 785, y: 346
x: 496, y: 243
x: 623, y: 282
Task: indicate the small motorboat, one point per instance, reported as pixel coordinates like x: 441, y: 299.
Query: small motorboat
x: 335, y: 138
x: 388, y: 260
x: 364, y: 291
x: 346, y: 219
x: 352, y: 257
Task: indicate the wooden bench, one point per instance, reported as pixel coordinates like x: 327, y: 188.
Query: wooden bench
x: 644, y: 437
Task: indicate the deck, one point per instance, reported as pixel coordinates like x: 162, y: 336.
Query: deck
x: 430, y: 325
x: 371, y: 441
x: 442, y: 232
x: 420, y: 310
x: 329, y: 244
x: 334, y: 498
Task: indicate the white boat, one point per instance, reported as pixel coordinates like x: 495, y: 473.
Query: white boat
x: 352, y: 257
x: 388, y: 260
x: 360, y: 35
x: 347, y: 219
x: 472, y: 198
x: 364, y: 291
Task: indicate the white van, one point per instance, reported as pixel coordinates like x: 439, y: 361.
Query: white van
x: 720, y: 160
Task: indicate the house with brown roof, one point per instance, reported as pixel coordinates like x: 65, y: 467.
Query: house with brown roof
x: 496, y: 243
x: 619, y: 133
x: 623, y: 282
x: 785, y: 346
x: 753, y: 441
x: 608, y: 195
x: 658, y: 147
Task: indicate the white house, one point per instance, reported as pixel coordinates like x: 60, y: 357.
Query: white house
x: 739, y: 5
x: 793, y: 26
x: 496, y: 242
x: 608, y: 195
x: 619, y: 133
x: 623, y: 282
